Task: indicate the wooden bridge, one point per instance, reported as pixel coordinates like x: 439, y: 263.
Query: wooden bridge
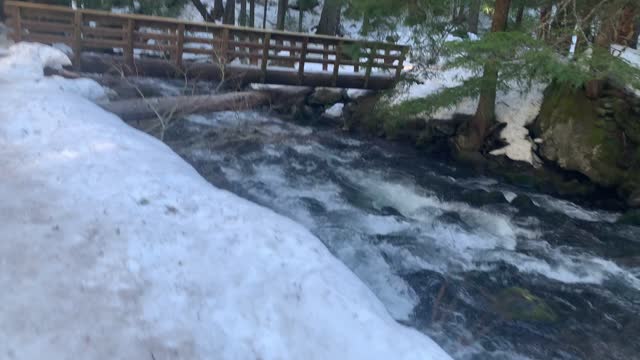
x: 156, y: 46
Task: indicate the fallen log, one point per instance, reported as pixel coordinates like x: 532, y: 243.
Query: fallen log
x: 146, y: 108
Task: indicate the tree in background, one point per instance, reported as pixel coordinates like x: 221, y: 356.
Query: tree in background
x: 329, y: 23
x: 229, y: 13
x: 283, y: 5
x: 202, y: 9
x: 218, y: 10
x: 472, y: 135
x: 474, y: 16
x: 242, y: 18
x: 252, y: 13
x: 303, y: 6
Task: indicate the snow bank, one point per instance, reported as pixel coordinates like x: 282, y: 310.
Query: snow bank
x: 113, y: 247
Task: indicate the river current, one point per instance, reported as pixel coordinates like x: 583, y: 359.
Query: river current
x: 486, y: 269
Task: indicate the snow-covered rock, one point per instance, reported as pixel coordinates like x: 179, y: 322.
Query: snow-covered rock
x: 335, y: 111
x: 112, y: 247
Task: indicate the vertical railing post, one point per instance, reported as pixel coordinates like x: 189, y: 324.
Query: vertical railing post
x: 18, y: 35
x: 325, y: 57
x: 224, y: 47
x: 336, y: 63
x: 77, y: 39
x: 403, y: 54
x: 179, y: 46
x: 266, y: 44
x: 303, y: 58
x: 128, y: 49
x: 373, y: 52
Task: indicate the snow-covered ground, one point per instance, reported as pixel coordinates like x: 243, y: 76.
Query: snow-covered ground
x: 112, y: 247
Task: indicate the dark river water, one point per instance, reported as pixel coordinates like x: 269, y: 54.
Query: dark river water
x: 488, y: 270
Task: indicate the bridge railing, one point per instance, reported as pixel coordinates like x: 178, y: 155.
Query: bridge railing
x: 179, y: 41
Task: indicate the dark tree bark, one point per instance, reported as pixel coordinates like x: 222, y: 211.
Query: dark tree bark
x: 230, y: 12
x: 636, y: 34
x: 283, y: 5
x: 545, y: 18
x: 471, y: 136
x: 2, y: 16
x: 218, y: 10
x: 626, y: 28
x: 264, y: 14
x: 519, y: 16
x: 330, y: 17
x: 242, y: 19
x: 474, y: 16
x: 202, y: 9
x: 252, y: 13
x: 300, y: 18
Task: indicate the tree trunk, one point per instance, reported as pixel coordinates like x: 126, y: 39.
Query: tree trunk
x: 149, y: 108
x: 519, y: 16
x: 472, y: 135
x: 283, y: 5
x: 242, y: 19
x: 218, y: 10
x: 202, y: 9
x: 300, y: 18
x: 636, y: 34
x: 2, y: 16
x: 264, y: 14
x: 626, y: 28
x: 474, y: 15
x: 230, y: 12
x: 252, y: 13
x: 330, y: 17
x: 545, y: 18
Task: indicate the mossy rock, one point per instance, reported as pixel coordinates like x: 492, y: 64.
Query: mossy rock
x: 516, y: 303
x: 577, y: 139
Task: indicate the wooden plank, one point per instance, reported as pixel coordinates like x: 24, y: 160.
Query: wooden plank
x: 77, y: 39
x: 336, y: 64
x: 18, y: 32
x: 155, y: 47
x: 100, y: 32
x: 266, y: 44
x: 46, y: 38
x: 128, y: 48
x: 303, y: 55
x: 179, y: 46
x: 33, y: 25
x: 367, y: 75
x: 104, y: 44
x: 400, y: 64
x: 143, y: 35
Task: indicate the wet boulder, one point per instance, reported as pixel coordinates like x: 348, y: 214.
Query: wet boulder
x: 325, y: 96
x: 631, y: 217
x: 596, y: 137
x: 523, y: 203
x: 516, y: 303
x: 479, y: 197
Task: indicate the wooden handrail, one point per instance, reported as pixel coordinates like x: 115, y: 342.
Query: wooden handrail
x: 173, y: 38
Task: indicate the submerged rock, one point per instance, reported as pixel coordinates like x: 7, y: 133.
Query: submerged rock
x: 516, y: 303
x: 482, y: 197
x: 630, y: 218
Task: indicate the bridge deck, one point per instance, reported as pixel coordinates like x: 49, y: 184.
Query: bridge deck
x: 209, y: 50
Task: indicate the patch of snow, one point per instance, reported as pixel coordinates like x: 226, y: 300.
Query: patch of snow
x: 518, y: 110
x: 472, y: 36
x: 64, y: 48
x: 357, y: 93
x: 335, y: 111
x: 113, y: 247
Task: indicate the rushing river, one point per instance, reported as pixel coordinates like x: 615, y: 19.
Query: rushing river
x: 488, y: 270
